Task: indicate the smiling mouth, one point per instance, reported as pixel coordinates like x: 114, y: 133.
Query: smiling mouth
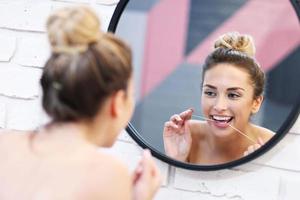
x: 221, y: 119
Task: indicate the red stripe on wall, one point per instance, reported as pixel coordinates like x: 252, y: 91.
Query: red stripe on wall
x: 165, y: 41
x: 273, y: 24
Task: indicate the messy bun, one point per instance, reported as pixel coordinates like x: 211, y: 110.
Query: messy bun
x: 236, y: 41
x: 72, y: 29
x: 86, y: 65
x: 239, y: 50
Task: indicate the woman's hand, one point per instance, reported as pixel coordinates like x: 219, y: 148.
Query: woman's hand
x: 177, y: 136
x: 146, y: 178
x: 254, y: 147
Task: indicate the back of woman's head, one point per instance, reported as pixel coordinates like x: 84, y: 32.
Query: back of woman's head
x: 85, y: 68
x: 238, y: 50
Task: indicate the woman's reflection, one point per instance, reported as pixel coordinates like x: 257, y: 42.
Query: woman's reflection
x: 232, y: 91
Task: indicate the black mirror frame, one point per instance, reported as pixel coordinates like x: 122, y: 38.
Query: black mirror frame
x: 292, y: 117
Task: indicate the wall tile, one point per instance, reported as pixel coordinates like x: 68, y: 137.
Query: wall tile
x: 74, y: 1
x: 284, y: 155
x: 105, y: 13
x: 7, y: 47
x: 289, y: 180
x: 19, y: 82
x: 229, y: 183
x: 2, y: 113
x: 24, y: 15
x: 291, y: 190
x: 107, y: 2
x: 22, y: 114
x: 33, y: 50
x: 296, y: 127
x: 166, y: 193
x: 31, y: 15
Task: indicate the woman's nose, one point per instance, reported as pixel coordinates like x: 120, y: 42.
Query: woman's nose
x: 220, y: 104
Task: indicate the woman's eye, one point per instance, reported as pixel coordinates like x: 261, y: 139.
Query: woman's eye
x: 210, y: 93
x: 233, y: 96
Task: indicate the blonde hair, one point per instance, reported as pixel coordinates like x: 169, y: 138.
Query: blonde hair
x: 71, y: 29
x: 86, y: 65
x: 236, y: 41
x: 239, y: 50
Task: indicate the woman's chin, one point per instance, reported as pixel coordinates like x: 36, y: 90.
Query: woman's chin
x: 221, y: 129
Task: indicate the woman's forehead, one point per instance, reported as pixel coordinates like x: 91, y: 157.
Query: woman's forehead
x: 228, y: 75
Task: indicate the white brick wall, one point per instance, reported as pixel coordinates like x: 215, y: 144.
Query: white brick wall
x: 23, y: 50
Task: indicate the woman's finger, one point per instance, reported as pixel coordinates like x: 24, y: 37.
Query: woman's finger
x: 155, y: 173
x: 257, y: 146
x: 137, y: 172
x: 186, y: 115
x: 176, y: 119
x: 171, y: 125
x: 251, y: 149
x: 260, y: 141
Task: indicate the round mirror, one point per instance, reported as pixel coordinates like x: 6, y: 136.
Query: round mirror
x: 171, y: 40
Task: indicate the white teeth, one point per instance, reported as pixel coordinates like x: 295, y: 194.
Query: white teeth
x: 221, y: 118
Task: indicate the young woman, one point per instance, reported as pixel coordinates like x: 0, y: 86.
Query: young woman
x: 88, y: 92
x: 232, y: 91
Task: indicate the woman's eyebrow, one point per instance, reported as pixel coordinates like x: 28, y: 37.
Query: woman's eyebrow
x: 210, y: 86
x: 236, y: 88
x: 229, y: 89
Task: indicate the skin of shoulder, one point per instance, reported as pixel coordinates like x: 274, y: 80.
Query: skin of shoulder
x: 9, y: 136
x: 264, y: 133
x: 107, y: 178
x: 198, y: 130
x: 100, y: 175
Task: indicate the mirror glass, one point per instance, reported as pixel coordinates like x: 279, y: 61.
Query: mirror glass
x: 170, y: 41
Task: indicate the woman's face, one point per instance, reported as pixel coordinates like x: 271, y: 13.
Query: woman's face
x: 227, y: 98
x: 130, y: 100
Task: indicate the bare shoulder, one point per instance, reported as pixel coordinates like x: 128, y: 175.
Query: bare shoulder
x: 198, y: 128
x: 104, y: 176
x: 264, y: 133
x: 12, y: 137
x: 12, y: 133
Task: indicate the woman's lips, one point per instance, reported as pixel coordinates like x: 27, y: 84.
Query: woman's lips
x: 221, y: 121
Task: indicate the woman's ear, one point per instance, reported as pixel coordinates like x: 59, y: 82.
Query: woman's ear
x: 117, y: 103
x: 256, y: 104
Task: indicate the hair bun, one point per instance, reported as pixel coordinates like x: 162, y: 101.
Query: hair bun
x: 72, y: 29
x: 240, y: 42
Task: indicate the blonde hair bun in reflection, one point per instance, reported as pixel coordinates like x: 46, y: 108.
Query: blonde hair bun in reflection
x: 72, y: 29
x: 236, y: 41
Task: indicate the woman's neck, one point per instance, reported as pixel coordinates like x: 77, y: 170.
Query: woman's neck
x: 89, y: 133
x: 231, y: 146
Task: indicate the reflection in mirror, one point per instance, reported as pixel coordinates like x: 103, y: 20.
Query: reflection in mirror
x: 232, y: 91
x: 170, y: 41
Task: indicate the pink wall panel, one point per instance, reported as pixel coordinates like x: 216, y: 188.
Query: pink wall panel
x: 274, y: 27
x: 165, y: 41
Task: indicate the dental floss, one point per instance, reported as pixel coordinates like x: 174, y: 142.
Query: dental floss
x: 230, y: 126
